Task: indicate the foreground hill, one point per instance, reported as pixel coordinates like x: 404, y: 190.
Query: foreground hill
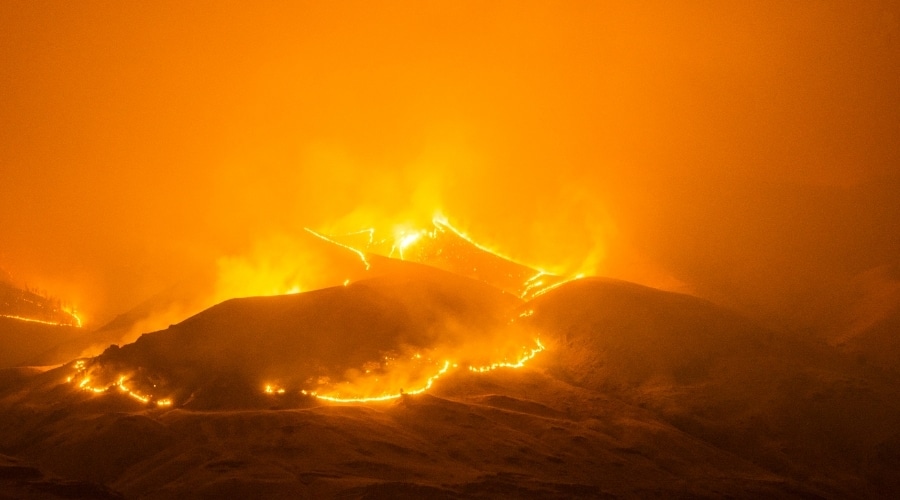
x: 517, y: 433
x: 638, y: 393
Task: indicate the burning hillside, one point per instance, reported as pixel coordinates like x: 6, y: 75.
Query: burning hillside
x: 374, y: 338
x: 394, y: 333
x: 445, y: 247
x: 36, y: 307
x: 458, y: 389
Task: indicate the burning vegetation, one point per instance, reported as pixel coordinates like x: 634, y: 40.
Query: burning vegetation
x: 435, y: 302
x: 25, y: 304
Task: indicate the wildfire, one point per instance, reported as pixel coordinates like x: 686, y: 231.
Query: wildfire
x: 420, y: 245
x: 388, y: 397
x: 74, y: 316
x: 44, y: 322
x: 556, y: 285
x: 84, y: 382
x: 85, y: 385
x: 429, y: 382
x: 444, y: 225
x: 406, y: 239
x: 274, y: 390
x: 518, y: 364
x: 360, y: 253
x: 533, y: 283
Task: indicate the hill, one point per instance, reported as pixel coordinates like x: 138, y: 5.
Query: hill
x: 24, y: 341
x: 638, y: 392
x: 792, y: 405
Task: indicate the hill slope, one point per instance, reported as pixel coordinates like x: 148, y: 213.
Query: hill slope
x: 791, y: 405
x: 638, y: 393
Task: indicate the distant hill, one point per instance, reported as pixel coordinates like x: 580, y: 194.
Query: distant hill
x: 23, y: 342
x: 443, y: 247
x: 23, y: 303
x: 31, y: 323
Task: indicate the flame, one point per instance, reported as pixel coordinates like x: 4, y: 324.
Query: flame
x: 429, y: 382
x: 406, y: 238
x: 45, y: 322
x: 556, y: 285
x: 423, y: 372
x: 85, y: 385
x: 443, y: 224
x: 74, y: 315
x: 84, y: 382
x: 388, y: 397
x: 518, y: 364
x: 274, y: 390
x: 361, y: 254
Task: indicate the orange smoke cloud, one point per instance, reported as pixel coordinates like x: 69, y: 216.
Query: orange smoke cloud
x: 746, y: 152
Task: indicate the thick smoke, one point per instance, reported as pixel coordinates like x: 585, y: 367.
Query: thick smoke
x: 746, y: 153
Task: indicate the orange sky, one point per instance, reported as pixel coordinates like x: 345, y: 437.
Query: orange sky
x: 749, y: 151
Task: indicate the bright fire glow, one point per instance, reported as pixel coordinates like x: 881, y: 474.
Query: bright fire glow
x: 403, y: 241
x: 74, y: 315
x: 270, y: 389
x: 406, y: 239
x: 443, y: 224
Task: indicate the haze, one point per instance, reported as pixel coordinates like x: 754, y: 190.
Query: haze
x: 745, y: 153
